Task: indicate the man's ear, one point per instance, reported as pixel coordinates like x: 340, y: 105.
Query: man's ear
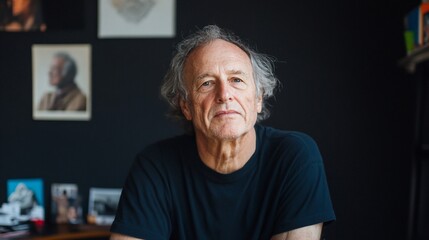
x: 259, y: 104
x: 185, y: 109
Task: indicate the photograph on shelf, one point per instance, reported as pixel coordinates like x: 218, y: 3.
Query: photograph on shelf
x: 61, y: 82
x: 102, y: 206
x: 136, y: 19
x: 27, y: 196
x: 66, y: 204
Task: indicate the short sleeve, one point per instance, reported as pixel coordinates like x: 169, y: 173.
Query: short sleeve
x: 305, y: 198
x: 143, y: 209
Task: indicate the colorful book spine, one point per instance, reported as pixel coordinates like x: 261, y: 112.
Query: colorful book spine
x: 412, y: 25
x: 424, y: 24
x: 417, y: 27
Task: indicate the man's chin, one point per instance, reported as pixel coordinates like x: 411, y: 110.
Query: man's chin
x: 228, y: 132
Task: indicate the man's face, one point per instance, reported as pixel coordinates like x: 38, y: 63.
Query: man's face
x: 20, y: 7
x: 55, y: 72
x: 222, y: 101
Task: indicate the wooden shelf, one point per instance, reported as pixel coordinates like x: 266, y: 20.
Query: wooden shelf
x: 63, y: 232
x: 417, y: 56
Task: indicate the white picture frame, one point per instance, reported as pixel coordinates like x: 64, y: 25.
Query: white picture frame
x: 136, y: 19
x: 103, y: 203
x: 42, y: 58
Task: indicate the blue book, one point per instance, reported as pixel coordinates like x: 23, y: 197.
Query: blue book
x: 412, y: 22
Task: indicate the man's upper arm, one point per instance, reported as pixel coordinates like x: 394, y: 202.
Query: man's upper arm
x: 312, y: 232
x: 116, y: 236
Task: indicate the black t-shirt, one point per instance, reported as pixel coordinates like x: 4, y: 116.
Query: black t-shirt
x: 171, y: 194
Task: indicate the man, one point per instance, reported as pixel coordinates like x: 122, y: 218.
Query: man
x: 67, y: 96
x: 230, y: 178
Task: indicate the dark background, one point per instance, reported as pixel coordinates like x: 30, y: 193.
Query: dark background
x: 338, y: 63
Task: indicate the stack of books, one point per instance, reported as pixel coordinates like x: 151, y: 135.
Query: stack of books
x: 417, y: 28
x: 10, y: 231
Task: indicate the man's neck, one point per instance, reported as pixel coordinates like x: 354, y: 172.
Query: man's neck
x: 226, y: 156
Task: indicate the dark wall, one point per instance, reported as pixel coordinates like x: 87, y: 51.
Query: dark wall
x: 337, y: 61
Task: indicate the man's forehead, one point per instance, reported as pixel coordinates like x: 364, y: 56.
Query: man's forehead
x: 219, y: 52
x: 57, y: 60
x: 235, y: 72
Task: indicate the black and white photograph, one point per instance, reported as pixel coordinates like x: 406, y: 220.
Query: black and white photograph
x: 136, y: 18
x: 61, y: 82
x: 103, y: 203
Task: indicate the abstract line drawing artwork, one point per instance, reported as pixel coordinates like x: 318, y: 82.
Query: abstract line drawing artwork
x: 136, y: 18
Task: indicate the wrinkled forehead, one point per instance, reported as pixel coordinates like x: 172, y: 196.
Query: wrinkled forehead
x: 217, y: 47
x: 218, y: 53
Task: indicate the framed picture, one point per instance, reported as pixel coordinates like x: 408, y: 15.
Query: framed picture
x: 28, y: 194
x: 66, y: 204
x: 136, y: 18
x: 61, y: 82
x: 21, y: 16
x: 103, y: 203
x: 41, y: 15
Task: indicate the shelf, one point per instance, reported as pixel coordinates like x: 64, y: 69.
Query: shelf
x: 414, y: 58
x: 72, y: 232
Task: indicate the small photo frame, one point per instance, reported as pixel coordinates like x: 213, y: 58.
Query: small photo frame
x: 41, y: 15
x: 61, y: 81
x: 28, y: 194
x: 66, y: 204
x: 136, y: 19
x: 103, y: 203
x: 22, y: 16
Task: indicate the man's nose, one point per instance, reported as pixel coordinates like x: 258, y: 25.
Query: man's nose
x: 224, y: 93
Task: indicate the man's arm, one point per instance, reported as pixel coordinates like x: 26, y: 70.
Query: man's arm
x: 311, y: 232
x: 116, y: 236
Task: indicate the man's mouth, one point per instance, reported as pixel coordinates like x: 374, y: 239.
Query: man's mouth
x: 225, y: 113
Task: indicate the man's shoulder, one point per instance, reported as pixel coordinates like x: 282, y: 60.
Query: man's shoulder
x: 172, y: 146
x: 288, y: 150
x: 48, y: 94
x: 290, y: 146
x: 276, y: 136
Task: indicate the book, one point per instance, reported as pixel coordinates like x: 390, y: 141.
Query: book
x: 416, y: 24
x: 19, y: 229
x: 412, y: 27
x: 424, y: 11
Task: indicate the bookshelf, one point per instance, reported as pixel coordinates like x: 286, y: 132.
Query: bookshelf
x: 414, y: 58
x: 417, y: 65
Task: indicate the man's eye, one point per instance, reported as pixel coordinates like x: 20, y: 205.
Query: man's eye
x: 238, y: 83
x: 206, y: 84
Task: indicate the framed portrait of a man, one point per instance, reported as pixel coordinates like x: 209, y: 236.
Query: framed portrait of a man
x: 61, y: 82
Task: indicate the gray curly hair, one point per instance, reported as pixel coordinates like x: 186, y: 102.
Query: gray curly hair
x: 173, y: 89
